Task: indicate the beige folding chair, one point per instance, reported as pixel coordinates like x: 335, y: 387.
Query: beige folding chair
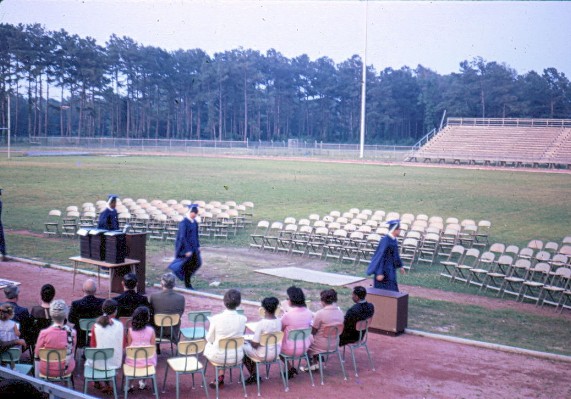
x: 166, y: 323
x: 363, y: 328
x: 536, y: 278
x: 140, y: 353
x: 52, y: 223
x: 258, y: 235
x: 270, y: 342
x: 515, y: 278
x: 332, y: 333
x: 231, y: 347
x: 552, y: 293
x: 477, y: 274
x: 454, y: 258
x: 55, y: 366
x: 497, y: 272
x: 470, y: 261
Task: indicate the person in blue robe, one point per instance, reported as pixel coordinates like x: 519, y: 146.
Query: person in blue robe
x: 187, y: 248
x: 2, y: 241
x: 386, y: 260
x: 109, y: 219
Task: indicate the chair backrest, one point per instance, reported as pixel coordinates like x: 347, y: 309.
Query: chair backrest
x: 299, y: 337
x: 54, y: 357
x: 12, y: 356
x: 332, y: 333
x: 535, y: 244
x: 99, y: 357
x: 231, y: 347
x: 85, y: 325
x: 270, y: 342
x: 191, y: 348
x: 166, y: 320
x: 139, y: 353
x: 199, y: 319
x: 362, y: 326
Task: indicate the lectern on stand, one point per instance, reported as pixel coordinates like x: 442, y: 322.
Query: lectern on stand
x: 391, y: 311
x: 136, y: 249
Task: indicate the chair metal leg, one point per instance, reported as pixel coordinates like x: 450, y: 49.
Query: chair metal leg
x: 370, y: 358
x: 165, y: 379
x: 342, y: 365
x: 114, y: 387
x: 243, y: 381
x: 258, y: 376
x: 309, y: 368
x: 204, y: 384
x: 354, y: 362
x: 155, y: 386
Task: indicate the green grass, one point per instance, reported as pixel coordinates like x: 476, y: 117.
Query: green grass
x: 521, y: 206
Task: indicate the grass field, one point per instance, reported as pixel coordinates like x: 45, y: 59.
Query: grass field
x: 520, y: 205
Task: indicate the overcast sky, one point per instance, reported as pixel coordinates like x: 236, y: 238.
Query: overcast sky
x: 525, y: 35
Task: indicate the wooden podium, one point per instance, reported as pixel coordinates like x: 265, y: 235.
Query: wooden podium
x: 391, y: 311
x: 136, y: 249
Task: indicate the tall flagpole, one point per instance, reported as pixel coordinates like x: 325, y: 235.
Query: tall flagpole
x: 364, y: 87
x: 9, y: 125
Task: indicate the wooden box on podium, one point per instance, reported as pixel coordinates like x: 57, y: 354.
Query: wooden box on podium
x: 391, y: 311
x: 136, y: 248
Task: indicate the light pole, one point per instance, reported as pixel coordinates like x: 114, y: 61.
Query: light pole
x: 364, y: 88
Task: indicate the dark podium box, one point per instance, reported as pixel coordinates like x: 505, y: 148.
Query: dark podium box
x: 115, y: 247
x: 84, y: 243
x: 391, y: 311
x: 135, y: 248
x: 97, y: 244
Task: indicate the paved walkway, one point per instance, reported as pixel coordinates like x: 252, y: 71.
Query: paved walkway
x: 406, y: 366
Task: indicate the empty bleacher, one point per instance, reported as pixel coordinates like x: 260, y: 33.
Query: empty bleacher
x: 500, y: 142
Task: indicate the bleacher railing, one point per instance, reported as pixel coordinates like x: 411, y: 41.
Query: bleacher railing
x: 513, y: 122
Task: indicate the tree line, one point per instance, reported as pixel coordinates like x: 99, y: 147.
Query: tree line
x: 65, y: 85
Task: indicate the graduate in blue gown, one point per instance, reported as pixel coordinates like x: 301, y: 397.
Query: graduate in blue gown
x: 109, y: 219
x: 187, y: 248
x: 2, y: 241
x: 386, y: 260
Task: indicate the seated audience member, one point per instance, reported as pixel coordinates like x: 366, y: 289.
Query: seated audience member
x: 88, y: 307
x: 21, y: 314
x: 130, y: 300
x: 8, y: 328
x: 141, y: 334
x: 167, y: 301
x: 228, y: 324
x: 41, y: 313
x: 328, y: 315
x: 58, y: 336
x: 107, y: 332
x: 252, y: 349
x: 297, y: 316
x: 5, y: 345
x: 361, y: 310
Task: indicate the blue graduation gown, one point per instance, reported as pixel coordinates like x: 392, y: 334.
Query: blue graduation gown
x: 2, y: 241
x: 108, y: 220
x: 386, y: 261
x: 186, y: 241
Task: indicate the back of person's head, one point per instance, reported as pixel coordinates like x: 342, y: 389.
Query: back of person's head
x: 296, y: 296
x: 360, y: 292
x: 109, y: 309
x: 58, y: 310
x: 329, y: 296
x: 6, y: 312
x: 168, y: 280
x: 11, y: 292
x: 270, y: 304
x: 130, y: 281
x: 15, y: 388
x: 89, y: 287
x: 140, y: 319
x: 47, y: 293
x: 232, y: 299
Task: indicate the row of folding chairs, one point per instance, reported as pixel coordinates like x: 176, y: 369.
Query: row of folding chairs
x: 526, y: 275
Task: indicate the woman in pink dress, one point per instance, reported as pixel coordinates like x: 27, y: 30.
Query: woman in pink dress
x: 141, y: 334
x: 296, y: 317
x: 58, y: 336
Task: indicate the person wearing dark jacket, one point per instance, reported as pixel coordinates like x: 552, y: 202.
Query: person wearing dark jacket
x: 187, y: 248
x: 88, y: 307
x: 361, y: 310
x: 130, y: 300
x: 386, y: 260
x: 109, y: 219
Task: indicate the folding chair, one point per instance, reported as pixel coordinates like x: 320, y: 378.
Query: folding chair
x: 497, y: 249
x: 536, y: 278
x: 515, y: 278
x: 270, y: 342
x: 166, y: 322
x: 481, y: 238
x: 350, y: 251
x: 497, y: 272
x: 477, y: 274
x: 140, y: 353
x: 99, y: 371
x: 52, y: 224
x: 300, y: 240
x: 362, y: 327
x: 557, y: 285
x: 317, y: 241
x: 230, y: 345
x: 70, y: 224
x: 85, y: 326
x: 368, y: 248
x: 428, y: 248
x: 335, y: 243
x: 467, y: 235
x: 541, y: 256
x: 535, y: 244
x: 447, y: 241
x: 454, y: 258
x: 12, y: 357
x: 271, y: 237
x: 332, y: 333
x: 187, y: 363
x: 298, y: 337
x: 55, y: 366
x: 285, y: 238
x: 470, y: 261
x: 197, y: 320
x: 408, y: 252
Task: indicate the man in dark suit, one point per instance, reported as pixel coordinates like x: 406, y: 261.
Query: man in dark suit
x: 130, y: 300
x: 88, y: 307
x: 167, y: 301
x: 187, y: 245
x: 362, y: 310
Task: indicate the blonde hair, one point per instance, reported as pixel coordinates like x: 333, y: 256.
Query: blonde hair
x: 6, y: 312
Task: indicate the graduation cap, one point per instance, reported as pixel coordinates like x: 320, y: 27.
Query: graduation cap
x: 193, y: 208
x: 393, y: 225
x: 111, y: 198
